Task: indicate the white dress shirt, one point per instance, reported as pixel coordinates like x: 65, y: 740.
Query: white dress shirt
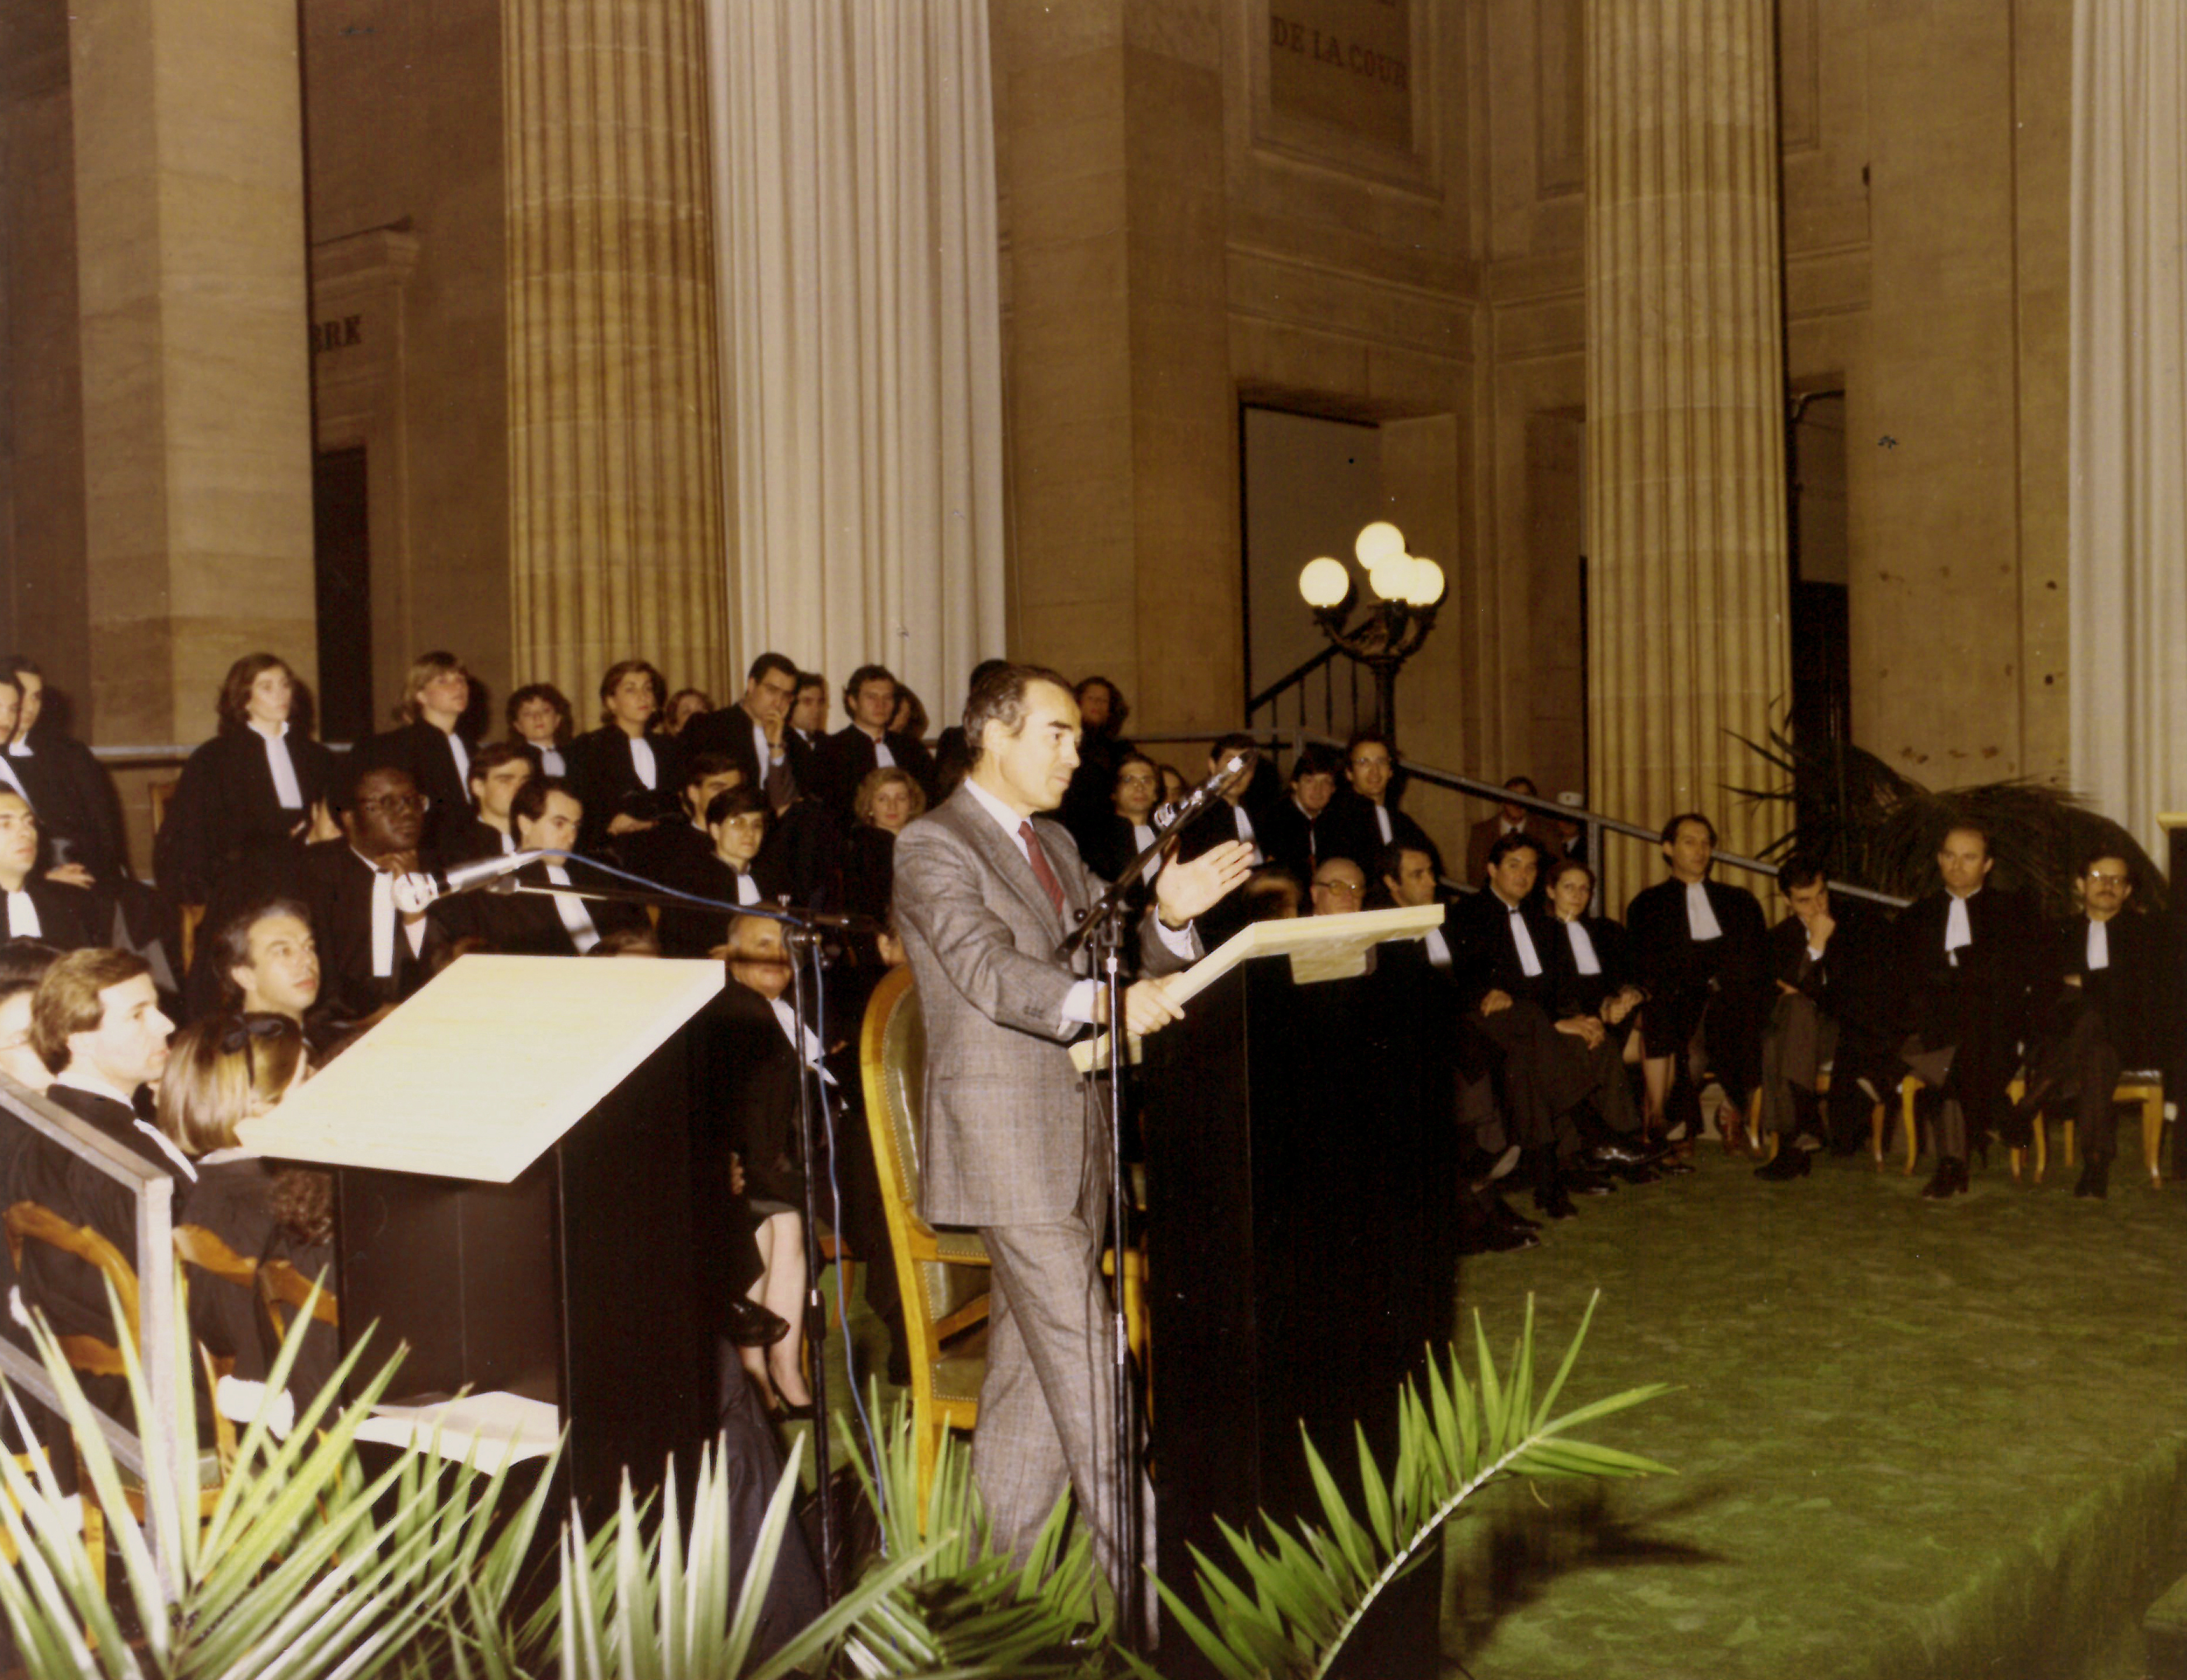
x: 7, y: 775
x: 574, y: 917
x: 802, y: 1039
x: 641, y: 760
x: 1958, y: 930
x: 2100, y: 940
x: 1583, y: 948
x: 1530, y: 960
x: 23, y: 917
x: 386, y: 919
x: 550, y: 761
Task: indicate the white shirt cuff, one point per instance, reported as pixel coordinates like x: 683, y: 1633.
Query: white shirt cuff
x: 1178, y: 940
x: 1078, y: 1002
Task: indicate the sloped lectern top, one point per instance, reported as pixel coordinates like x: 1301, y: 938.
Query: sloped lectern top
x: 482, y: 1071
x: 1320, y: 947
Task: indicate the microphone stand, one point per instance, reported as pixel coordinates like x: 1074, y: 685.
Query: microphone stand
x: 801, y: 931
x: 1103, y: 929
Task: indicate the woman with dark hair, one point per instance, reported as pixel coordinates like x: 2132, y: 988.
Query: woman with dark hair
x: 539, y: 716
x: 1602, y: 953
x: 886, y: 799
x: 222, y: 1071
x: 910, y: 718
x: 736, y: 824
x: 433, y: 743
x: 627, y: 773
x: 249, y: 802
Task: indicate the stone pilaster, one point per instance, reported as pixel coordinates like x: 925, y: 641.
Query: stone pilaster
x: 1685, y: 404
x: 617, y: 548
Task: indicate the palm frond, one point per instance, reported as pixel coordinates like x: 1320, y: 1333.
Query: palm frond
x: 1299, y: 1599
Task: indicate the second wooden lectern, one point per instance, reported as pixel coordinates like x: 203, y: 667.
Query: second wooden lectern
x: 519, y: 1198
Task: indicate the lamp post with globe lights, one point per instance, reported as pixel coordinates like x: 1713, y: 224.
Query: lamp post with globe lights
x: 1407, y: 590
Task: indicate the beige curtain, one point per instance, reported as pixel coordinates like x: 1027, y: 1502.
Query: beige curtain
x: 855, y: 196
x: 2127, y: 561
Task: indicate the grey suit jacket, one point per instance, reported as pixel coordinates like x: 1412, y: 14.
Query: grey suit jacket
x: 1006, y: 1138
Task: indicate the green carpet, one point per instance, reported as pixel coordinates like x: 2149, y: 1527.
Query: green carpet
x: 1912, y: 1440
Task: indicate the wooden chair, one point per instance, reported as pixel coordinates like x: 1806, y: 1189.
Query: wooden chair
x: 942, y: 1272
x: 2141, y: 1086
x: 196, y: 1246
x: 1907, y: 1087
x: 285, y: 1289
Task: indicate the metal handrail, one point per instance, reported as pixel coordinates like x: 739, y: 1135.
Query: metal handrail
x: 1293, y: 679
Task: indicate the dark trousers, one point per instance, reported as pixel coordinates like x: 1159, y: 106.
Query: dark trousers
x: 2080, y: 1064
x: 1546, y: 1075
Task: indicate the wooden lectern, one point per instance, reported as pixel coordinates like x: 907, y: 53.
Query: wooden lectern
x: 517, y: 1199
x: 1300, y: 1179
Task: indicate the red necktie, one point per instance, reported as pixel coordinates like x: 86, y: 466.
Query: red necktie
x: 1038, y: 859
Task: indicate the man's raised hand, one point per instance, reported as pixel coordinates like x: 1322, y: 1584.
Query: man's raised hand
x: 1184, y: 891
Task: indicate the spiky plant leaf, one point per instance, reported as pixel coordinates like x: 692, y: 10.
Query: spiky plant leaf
x: 1296, y: 1601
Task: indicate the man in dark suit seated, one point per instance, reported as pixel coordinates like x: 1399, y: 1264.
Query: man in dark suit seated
x: 548, y: 817
x: 373, y: 954
x: 985, y: 894
x: 866, y: 744
x: 1697, y: 946
x: 1362, y: 821
x: 2117, y: 1011
x: 78, y: 811
x: 1827, y: 961
x: 753, y: 734
x: 1507, y: 818
x: 95, y: 1022
x: 1563, y: 1086
x: 498, y: 769
x: 1969, y: 959
x: 1294, y: 831
x: 36, y: 905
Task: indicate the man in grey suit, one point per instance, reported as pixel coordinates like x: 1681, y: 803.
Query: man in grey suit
x: 984, y: 894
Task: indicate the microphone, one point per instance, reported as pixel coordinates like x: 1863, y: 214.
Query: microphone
x: 1177, y: 812
x: 413, y: 893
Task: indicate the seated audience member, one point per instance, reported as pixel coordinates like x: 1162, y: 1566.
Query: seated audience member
x: 268, y: 962
x: 808, y: 712
x: 674, y: 853
x: 909, y: 720
x: 22, y: 964
x: 96, y: 1025
x: 539, y: 716
x: 1101, y: 748
x: 866, y: 744
x: 2117, y: 1011
x: 887, y: 799
x: 1364, y: 821
x: 224, y: 1070
x: 734, y: 873
x: 952, y: 761
x: 36, y: 905
x: 498, y: 769
x: 759, y: 1036
x: 1830, y: 1010
x: 74, y: 798
x: 1407, y: 876
x: 755, y: 733
x: 242, y: 813
x: 373, y: 954
x: 1697, y: 952
x: 1340, y: 887
x: 1562, y: 1085
x: 432, y: 745
x: 1970, y: 961
x: 1294, y: 831
x: 684, y: 705
x: 1507, y: 818
x: 1605, y: 985
x: 627, y: 774
x: 548, y: 817
x: 1130, y: 828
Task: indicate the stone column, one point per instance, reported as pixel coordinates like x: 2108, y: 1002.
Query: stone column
x: 1685, y: 413
x: 617, y: 548
x: 197, y: 419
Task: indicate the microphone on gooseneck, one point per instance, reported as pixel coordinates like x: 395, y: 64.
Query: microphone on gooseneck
x: 413, y: 893
x: 1177, y: 812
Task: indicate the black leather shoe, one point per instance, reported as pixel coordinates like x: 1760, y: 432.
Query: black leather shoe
x: 1508, y: 1216
x: 1581, y: 1181
x: 1616, y: 1152
x: 1951, y: 1180
x: 752, y: 1325
x: 1557, y: 1206
x: 1790, y: 1162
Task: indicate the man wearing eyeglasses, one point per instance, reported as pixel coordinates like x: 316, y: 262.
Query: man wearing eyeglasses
x: 1364, y: 821
x: 2116, y: 1010
x: 372, y: 954
x: 1340, y: 887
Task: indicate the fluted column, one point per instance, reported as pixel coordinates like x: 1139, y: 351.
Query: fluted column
x: 615, y: 517
x: 1685, y: 402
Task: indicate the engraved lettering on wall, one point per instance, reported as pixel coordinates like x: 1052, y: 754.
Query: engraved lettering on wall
x: 1345, y: 63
